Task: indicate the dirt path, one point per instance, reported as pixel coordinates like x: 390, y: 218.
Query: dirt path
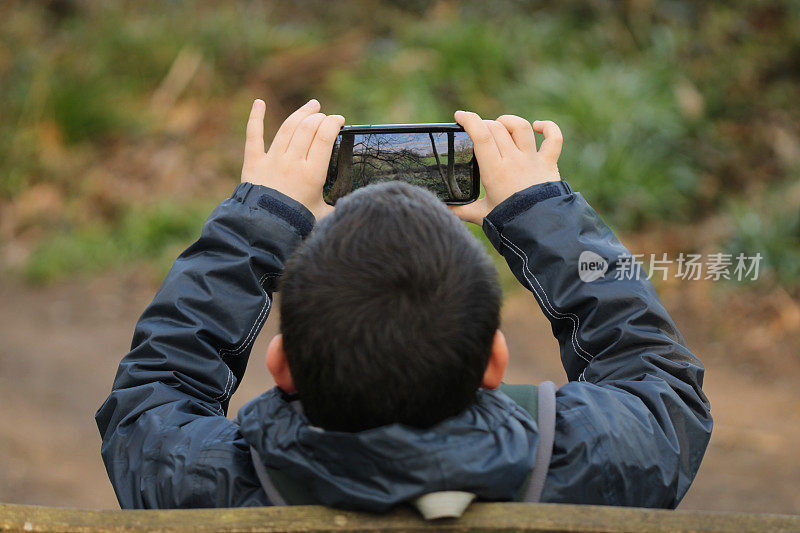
x: 60, y: 346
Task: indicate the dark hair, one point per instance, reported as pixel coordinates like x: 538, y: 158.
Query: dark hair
x: 388, y: 312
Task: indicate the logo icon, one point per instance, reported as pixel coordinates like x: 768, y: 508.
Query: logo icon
x: 591, y: 266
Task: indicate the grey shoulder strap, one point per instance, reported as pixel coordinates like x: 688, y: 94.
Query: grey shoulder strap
x: 544, y: 450
x: 266, y: 483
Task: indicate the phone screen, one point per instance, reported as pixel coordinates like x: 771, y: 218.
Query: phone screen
x: 441, y: 161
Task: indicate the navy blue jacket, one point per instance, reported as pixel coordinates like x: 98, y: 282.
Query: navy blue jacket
x: 632, y: 424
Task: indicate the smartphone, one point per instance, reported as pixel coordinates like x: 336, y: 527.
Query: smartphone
x: 438, y: 157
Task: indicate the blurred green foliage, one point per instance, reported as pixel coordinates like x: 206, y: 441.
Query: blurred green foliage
x: 157, y: 233
x: 672, y: 111
x: 771, y: 226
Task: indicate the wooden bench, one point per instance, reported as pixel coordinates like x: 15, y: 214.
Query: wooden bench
x: 507, y: 517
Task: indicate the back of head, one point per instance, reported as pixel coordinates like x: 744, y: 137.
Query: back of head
x: 388, y: 312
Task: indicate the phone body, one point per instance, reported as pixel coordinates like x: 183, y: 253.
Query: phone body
x: 436, y: 156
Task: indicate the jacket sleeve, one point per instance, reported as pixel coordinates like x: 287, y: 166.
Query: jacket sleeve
x: 166, y: 440
x: 633, y: 423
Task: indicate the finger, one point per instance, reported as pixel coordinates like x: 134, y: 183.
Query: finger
x: 521, y: 131
x: 502, y: 138
x: 482, y: 140
x: 303, y: 135
x: 473, y: 212
x: 321, y: 147
x: 551, y: 145
x: 254, y: 142
x: 286, y: 131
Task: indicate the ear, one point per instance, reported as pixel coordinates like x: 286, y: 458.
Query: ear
x: 278, y: 365
x: 498, y: 360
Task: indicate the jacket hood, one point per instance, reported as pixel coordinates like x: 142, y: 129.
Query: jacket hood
x: 488, y: 449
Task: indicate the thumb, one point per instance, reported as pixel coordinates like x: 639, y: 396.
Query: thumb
x: 473, y: 212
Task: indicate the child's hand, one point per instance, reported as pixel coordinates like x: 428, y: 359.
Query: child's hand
x: 508, y: 159
x: 297, y: 161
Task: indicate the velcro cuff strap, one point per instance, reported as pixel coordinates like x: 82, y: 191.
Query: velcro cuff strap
x: 283, y: 211
x: 525, y: 199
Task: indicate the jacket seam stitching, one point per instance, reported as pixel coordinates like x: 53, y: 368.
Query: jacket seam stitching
x: 231, y: 379
x: 552, y: 311
x: 236, y: 350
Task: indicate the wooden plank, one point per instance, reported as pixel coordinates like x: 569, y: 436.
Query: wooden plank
x: 509, y: 517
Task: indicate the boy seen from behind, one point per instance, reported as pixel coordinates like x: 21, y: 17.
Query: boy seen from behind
x: 390, y: 361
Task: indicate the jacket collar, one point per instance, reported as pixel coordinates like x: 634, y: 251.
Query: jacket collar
x: 488, y: 449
